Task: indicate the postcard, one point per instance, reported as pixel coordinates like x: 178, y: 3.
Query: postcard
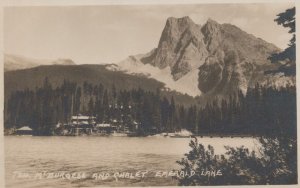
x: 131, y: 94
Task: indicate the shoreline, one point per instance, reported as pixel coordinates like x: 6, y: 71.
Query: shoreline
x: 149, y: 136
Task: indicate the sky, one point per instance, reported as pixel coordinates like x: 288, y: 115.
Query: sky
x: 110, y: 33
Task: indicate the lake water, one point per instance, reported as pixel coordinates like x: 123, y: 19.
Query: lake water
x: 99, y: 161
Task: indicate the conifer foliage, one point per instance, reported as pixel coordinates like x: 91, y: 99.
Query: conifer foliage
x: 261, y: 111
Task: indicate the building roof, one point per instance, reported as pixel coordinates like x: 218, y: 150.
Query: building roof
x: 82, y: 117
x: 25, y: 128
x: 81, y: 122
x: 103, y: 125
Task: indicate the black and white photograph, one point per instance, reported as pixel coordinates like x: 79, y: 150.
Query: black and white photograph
x: 141, y: 95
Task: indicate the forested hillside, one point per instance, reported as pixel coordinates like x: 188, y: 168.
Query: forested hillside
x: 261, y: 111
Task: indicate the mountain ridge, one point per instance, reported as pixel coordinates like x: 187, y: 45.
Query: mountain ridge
x: 32, y: 78
x: 223, y: 57
x: 209, y: 60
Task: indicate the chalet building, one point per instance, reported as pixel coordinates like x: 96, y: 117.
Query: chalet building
x: 83, y: 120
x: 87, y: 125
x: 105, y: 128
x: 82, y: 124
x: 24, y: 131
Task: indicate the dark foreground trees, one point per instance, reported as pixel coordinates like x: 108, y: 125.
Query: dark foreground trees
x: 263, y: 111
x: 275, y: 162
x: 288, y: 20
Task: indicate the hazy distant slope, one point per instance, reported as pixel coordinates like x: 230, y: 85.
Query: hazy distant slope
x: 14, y: 62
x: 94, y: 74
x: 30, y: 78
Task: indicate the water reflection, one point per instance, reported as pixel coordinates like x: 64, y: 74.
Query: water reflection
x: 91, y: 155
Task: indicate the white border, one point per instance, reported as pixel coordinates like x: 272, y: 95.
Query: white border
x: 4, y: 3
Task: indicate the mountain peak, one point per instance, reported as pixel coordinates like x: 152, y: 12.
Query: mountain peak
x: 183, y: 20
x: 178, y: 25
x: 168, y: 43
x: 211, y: 21
x: 224, y: 56
x: 210, y: 26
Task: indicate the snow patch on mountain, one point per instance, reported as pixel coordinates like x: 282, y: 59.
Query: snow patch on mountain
x: 134, y: 66
x: 221, y: 59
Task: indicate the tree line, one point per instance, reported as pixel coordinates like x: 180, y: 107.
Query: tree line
x: 260, y: 111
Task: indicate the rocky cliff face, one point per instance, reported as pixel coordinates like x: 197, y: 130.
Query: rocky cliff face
x: 236, y: 59
x: 181, y: 47
x: 224, y: 57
